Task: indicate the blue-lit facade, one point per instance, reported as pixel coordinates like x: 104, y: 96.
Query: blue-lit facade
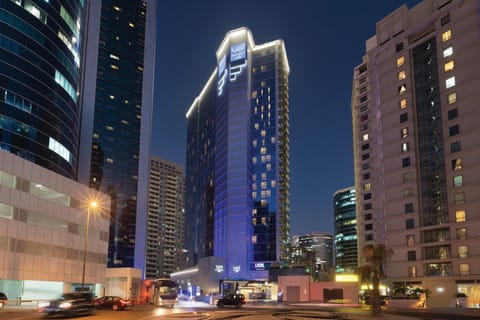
x: 237, y: 204
x: 40, y: 78
x: 118, y: 104
x: 346, y: 252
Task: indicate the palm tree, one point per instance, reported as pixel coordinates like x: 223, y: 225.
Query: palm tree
x: 371, y: 271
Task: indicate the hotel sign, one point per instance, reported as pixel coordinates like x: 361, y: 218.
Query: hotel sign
x: 238, y: 51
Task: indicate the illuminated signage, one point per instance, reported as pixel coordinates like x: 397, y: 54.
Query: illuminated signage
x: 219, y: 268
x: 222, y: 74
x: 238, y: 51
x: 221, y: 65
x: 260, y: 266
x: 236, y: 269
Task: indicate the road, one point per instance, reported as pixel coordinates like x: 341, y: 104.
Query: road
x: 251, y: 312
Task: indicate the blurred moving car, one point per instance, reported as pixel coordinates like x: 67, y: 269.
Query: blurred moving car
x: 3, y: 300
x: 75, y: 303
x: 112, y: 302
x: 235, y: 299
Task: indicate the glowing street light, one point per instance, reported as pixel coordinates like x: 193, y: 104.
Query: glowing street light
x: 93, y: 204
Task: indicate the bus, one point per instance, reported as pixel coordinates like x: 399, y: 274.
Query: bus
x: 162, y: 292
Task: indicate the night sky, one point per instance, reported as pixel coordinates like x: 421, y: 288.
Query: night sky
x: 324, y: 39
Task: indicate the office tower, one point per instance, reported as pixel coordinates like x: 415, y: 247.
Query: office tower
x: 40, y: 80
x: 346, y: 257
x: 117, y: 112
x: 166, y: 202
x: 237, y: 187
x: 321, y: 243
x: 415, y: 122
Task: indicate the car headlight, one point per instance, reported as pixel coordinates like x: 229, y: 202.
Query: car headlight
x: 65, y: 305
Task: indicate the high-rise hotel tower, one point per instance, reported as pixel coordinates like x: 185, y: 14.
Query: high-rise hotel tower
x: 237, y: 186
x: 417, y: 147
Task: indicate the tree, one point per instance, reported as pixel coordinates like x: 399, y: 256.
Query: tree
x: 375, y: 257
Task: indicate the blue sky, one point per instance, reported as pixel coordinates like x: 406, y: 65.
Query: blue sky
x: 324, y: 39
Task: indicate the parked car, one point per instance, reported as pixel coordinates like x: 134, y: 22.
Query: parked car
x: 236, y: 299
x: 112, y: 302
x: 3, y: 300
x: 76, y: 303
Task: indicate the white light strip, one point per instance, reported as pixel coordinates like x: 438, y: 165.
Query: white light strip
x: 235, y: 33
x: 183, y: 272
x: 280, y: 43
x: 202, y: 93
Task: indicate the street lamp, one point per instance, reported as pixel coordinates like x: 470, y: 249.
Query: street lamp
x: 93, y: 204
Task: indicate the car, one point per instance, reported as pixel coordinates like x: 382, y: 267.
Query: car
x: 75, y: 303
x: 234, y: 299
x: 112, y: 302
x: 3, y: 300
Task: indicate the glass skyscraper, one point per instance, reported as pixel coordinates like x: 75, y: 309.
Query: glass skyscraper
x: 346, y: 255
x: 40, y: 80
x: 118, y: 103
x: 237, y: 187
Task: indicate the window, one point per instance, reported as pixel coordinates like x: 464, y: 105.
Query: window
x: 405, y: 147
x: 455, y: 146
x: 463, y: 251
x: 412, y: 271
x: 407, y: 176
x: 457, y: 181
x: 452, y: 98
x: 404, y: 117
x: 367, y: 196
x: 449, y: 66
x: 462, y: 233
x: 454, y: 130
x: 365, y: 137
x: 400, y: 61
x: 367, y: 206
x: 369, y: 237
x: 367, y: 186
x: 365, y: 156
x: 366, y: 176
x: 402, y: 88
x: 368, y: 216
x: 460, y: 216
x: 407, y: 192
x: 452, y: 114
x: 450, y: 82
x: 408, y: 207
x: 464, y: 269
x: 403, y: 103
x: 410, y: 240
x: 365, y: 146
x: 459, y: 197
x: 457, y: 164
x: 368, y: 227
x: 447, y: 52
x: 409, y: 223
x: 399, y: 47
x: 412, y: 255
x: 406, y: 162
x: 404, y: 132
x: 444, y: 20
x: 401, y: 75
x: 447, y: 35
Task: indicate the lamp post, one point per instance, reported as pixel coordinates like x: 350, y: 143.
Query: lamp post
x: 93, y: 205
